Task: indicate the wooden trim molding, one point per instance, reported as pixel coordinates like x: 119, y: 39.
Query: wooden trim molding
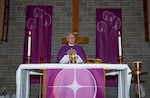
x: 2, y: 8
x: 4, y: 18
x: 146, y: 8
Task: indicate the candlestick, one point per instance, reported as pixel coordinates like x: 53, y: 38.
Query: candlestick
x: 28, y: 59
x: 120, y: 59
x: 138, y: 68
x: 138, y: 82
x: 138, y: 71
x: 29, y: 44
x: 41, y: 60
x: 119, y: 44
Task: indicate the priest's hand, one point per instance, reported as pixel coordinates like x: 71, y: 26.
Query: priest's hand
x: 71, y: 51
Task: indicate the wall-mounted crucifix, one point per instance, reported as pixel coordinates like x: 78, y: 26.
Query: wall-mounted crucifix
x: 75, y: 20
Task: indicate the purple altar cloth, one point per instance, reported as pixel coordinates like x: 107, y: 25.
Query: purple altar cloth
x: 75, y: 83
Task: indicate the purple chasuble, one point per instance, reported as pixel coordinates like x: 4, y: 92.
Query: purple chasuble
x: 64, y: 49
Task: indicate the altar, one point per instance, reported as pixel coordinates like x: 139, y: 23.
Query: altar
x: 25, y: 70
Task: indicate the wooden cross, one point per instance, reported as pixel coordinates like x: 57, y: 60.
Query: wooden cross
x: 75, y: 17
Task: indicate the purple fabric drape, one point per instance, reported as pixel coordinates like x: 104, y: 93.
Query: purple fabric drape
x: 39, y: 22
x: 108, y: 23
x: 60, y: 84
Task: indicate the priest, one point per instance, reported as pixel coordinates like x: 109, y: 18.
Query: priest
x: 65, y: 52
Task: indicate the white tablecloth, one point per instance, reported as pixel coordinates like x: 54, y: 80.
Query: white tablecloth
x: 24, y: 71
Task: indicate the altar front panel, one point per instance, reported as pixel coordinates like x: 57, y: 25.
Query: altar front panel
x: 24, y: 71
x: 75, y: 83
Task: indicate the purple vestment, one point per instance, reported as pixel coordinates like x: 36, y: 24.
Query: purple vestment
x: 64, y: 49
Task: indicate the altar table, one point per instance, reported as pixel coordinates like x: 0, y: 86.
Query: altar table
x: 25, y: 70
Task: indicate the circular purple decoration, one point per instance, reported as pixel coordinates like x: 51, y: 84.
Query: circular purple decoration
x: 36, y: 12
x: 108, y: 16
x: 117, y: 23
x: 46, y: 20
x: 41, y: 14
x: 111, y: 17
x: 101, y: 27
x: 105, y: 15
x: 31, y: 23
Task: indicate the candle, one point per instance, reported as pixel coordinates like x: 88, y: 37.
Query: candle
x: 119, y: 43
x: 29, y: 44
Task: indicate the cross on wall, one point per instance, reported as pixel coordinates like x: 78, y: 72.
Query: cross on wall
x: 75, y: 19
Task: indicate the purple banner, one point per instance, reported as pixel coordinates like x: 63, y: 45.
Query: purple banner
x: 39, y: 22
x: 108, y: 24
x: 75, y: 83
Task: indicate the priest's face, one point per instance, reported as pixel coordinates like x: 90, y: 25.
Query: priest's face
x: 71, y: 39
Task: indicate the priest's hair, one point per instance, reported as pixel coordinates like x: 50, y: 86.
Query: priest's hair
x: 71, y: 34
